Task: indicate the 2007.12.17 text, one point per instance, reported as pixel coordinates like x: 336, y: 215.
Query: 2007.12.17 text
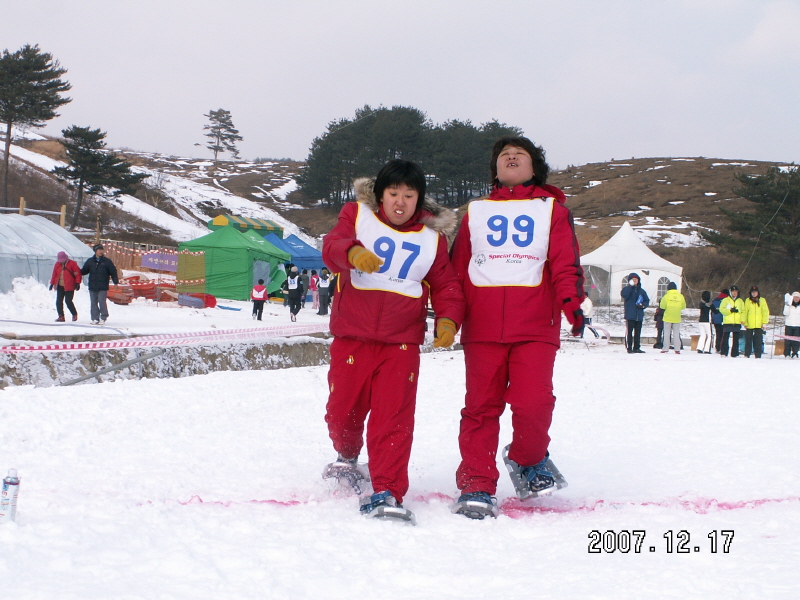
x: 625, y: 541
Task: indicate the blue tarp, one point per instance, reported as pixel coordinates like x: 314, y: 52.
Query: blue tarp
x: 303, y: 255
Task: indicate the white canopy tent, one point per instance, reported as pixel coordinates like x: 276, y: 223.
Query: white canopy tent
x: 608, y: 267
x: 29, y: 246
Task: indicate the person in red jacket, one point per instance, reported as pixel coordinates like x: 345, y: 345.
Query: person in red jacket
x: 390, y: 252
x: 518, y: 258
x: 66, y: 279
x: 258, y: 295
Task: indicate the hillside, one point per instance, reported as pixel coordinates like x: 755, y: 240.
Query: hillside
x: 669, y: 201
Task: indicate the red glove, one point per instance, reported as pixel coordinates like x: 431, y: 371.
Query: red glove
x: 574, y: 313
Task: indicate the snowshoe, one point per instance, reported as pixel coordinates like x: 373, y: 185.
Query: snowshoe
x: 384, y: 506
x: 348, y: 474
x: 537, y: 480
x: 476, y: 505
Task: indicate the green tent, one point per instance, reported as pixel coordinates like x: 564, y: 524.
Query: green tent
x: 235, y: 261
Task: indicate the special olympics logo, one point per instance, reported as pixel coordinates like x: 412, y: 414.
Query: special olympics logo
x: 480, y: 259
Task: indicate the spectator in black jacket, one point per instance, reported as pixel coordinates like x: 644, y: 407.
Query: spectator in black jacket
x: 705, y: 323
x: 99, y: 269
x: 658, y: 317
x: 716, y: 319
x: 293, y: 287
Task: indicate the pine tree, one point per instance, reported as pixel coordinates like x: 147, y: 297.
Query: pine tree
x: 221, y: 133
x: 775, y: 222
x: 92, y: 169
x: 30, y: 93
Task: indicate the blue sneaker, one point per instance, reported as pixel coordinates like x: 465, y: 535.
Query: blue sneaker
x: 538, y: 476
x: 536, y: 480
x: 476, y: 505
x: 382, y: 505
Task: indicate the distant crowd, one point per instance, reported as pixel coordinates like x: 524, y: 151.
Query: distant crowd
x: 729, y: 324
x: 295, y: 290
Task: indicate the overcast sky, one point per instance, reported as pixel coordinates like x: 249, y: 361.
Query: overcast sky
x: 590, y: 80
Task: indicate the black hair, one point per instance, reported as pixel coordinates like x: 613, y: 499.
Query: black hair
x: 313, y: 271
x: 305, y: 271
x: 260, y: 282
x: 706, y: 296
x: 399, y: 171
x: 540, y: 167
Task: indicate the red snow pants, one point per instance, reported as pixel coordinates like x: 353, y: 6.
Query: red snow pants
x: 379, y: 379
x: 520, y: 375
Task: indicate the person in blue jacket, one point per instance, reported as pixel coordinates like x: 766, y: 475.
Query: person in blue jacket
x: 635, y: 300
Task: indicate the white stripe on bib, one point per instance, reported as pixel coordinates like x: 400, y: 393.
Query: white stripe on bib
x: 510, y: 240
x: 407, y: 255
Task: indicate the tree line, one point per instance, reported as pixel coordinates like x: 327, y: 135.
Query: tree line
x: 453, y: 154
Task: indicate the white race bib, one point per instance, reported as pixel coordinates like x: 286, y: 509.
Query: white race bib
x: 510, y: 240
x: 407, y: 255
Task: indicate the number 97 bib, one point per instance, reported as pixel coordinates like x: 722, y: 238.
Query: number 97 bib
x: 407, y: 255
x: 510, y: 239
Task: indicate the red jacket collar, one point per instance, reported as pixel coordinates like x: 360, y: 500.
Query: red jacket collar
x: 521, y: 192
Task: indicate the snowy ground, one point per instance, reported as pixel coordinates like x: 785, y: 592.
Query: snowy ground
x: 209, y: 487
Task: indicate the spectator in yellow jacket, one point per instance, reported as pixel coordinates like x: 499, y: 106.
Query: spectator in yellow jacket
x: 731, y: 308
x: 673, y: 304
x: 754, y: 319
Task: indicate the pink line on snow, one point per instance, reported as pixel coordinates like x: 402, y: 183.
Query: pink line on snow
x: 228, y: 503
x: 516, y: 509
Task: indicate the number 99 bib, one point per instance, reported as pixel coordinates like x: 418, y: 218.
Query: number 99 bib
x: 407, y: 256
x: 510, y: 239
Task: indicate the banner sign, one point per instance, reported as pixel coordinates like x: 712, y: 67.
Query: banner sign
x: 161, y: 262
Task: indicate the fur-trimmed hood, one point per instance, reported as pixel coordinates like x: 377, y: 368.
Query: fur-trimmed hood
x: 438, y: 218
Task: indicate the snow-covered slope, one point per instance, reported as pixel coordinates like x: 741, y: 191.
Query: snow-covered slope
x: 191, y: 198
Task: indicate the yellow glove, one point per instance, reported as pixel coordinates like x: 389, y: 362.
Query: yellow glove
x: 364, y: 260
x: 445, y: 334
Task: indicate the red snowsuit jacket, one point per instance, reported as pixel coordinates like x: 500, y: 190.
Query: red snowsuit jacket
x: 519, y: 314
x: 375, y: 315
x: 72, y: 275
x: 261, y: 289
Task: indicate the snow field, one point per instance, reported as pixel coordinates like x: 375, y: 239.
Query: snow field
x: 209, y: 487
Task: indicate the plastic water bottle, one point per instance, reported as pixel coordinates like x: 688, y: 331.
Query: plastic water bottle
x: 8, y: 497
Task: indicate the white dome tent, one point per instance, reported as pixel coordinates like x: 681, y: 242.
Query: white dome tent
x: 607, y: 268
x: 29, y: 246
